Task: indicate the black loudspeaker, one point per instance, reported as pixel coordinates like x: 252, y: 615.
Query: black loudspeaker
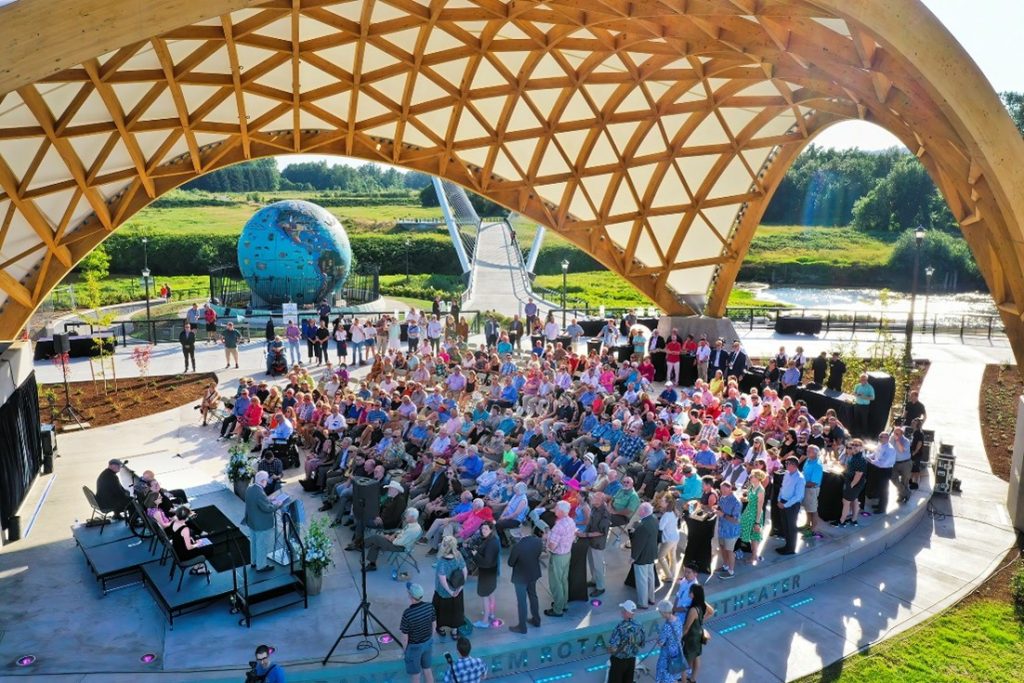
x: 885, y: 393
x: 365, y: 499
x: 61, y: 344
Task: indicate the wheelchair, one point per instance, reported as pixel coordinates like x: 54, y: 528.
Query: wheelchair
x: 287, y: 452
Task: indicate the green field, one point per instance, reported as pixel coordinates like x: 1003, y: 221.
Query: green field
x: 799, y: 245
x: 979, y: 641
x: 606, y: 288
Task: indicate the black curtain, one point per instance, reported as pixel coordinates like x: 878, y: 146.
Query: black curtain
x: 20, y: 447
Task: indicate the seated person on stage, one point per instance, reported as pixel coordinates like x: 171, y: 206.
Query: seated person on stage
x: 153, y: 504
x: 109, y: 493
x: 185, y: 546
x: 390, y: 517
x: 147, y: 484
x: 271, y: 464
x: 400, y: 542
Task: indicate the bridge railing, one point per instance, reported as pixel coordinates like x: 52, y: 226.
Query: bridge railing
x: 961, y: 324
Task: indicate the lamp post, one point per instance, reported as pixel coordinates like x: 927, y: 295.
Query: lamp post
x: 919, y: 240
x: 928, y: 272
x: 408, y: 243
x: 565, y: 272
x: 145, y: 283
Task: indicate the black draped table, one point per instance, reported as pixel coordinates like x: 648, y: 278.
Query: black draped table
x: 830, y: 498
x: 699, y: 533
x: 82, y: 346
x: 578, y: 571
x: 230, y: 547
x: 821, y: 400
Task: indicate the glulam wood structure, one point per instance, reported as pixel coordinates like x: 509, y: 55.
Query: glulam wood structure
x: 651, y: 133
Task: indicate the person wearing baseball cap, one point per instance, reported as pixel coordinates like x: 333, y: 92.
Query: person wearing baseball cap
x: 625, y: 643
x: 791, y: 495
x: 417, y: 626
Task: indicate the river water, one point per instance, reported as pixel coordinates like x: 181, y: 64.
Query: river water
x: 865, y: 300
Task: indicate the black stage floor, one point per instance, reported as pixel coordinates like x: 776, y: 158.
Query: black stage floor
x: 90, y: 536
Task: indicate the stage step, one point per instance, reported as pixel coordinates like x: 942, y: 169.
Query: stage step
x: 268, y: 593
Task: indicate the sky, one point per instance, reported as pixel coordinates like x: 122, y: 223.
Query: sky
x: 988, y: 29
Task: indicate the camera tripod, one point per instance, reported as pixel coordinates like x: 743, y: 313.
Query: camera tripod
x: 362, y: 611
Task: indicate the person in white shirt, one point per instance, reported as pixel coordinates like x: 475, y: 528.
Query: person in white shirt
x: 551, y: 330
x: 668, y: 551
x: 357, y: 335
x: 434, y: 330
x: 395, y: 335
x: 703, y: 359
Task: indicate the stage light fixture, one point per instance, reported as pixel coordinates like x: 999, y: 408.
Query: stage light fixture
x: 148, y: 658
x: 497, y: 623
x: 25, y: 660
x: 384, y: 639
x: 595, y: 603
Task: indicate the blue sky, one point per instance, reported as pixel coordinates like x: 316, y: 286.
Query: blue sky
x: 989, y: 30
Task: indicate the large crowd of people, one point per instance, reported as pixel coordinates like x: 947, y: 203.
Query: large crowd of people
x: 539, y: 445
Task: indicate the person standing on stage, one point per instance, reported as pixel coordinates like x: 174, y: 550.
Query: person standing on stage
x: 259, y: 517
x: 791, y: 495
x: 644, y: 551
x: 559, y: 543
x: 596, y: 535
x: 524, y: 559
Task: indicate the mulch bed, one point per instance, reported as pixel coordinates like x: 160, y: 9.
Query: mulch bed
x: 1001, y: 386
x: 134, y: 397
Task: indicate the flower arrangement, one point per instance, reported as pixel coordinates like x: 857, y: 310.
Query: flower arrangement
x: 240, y: 465
x: 319, y: 546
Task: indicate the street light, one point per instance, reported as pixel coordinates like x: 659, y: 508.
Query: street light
x: 928, y: 272
x: 408, y: 243
x: 145, y: 282
x: 918, y: 240
x: 565, y: 272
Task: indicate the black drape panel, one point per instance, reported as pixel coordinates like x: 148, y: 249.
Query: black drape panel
x: 20, y: 447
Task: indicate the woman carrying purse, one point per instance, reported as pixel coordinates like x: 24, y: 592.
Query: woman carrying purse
x: 694, y: 636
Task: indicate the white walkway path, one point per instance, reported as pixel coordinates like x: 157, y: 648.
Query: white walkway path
x: 500, y: 282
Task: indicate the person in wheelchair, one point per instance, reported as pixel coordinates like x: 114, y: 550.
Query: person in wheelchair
x: 272, y: 465
x: 277, y: 363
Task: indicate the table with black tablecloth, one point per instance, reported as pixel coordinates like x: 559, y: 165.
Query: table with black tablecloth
x: 81, y: 346
x: 623, y: 352
x: 830, y: 498
x: 818, y: 402
x: 699, y: 533
x: 578, y: 570
x: 230, y: 544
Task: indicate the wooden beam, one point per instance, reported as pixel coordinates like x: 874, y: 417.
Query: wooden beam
x: 31, y: 213
x: 16, y: 290
x: 117, y: 115
x: 35, y: 103
x: 167, y: 64
x: 236, y: 81
x: 296, y: 85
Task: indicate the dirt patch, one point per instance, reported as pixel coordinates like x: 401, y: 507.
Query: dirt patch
x: 1001, y: 385
x: 134, y: 397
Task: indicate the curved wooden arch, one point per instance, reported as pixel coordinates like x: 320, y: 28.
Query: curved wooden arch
x: 650, y: 134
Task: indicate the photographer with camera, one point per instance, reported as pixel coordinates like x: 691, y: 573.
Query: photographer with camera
x: 262, y: 670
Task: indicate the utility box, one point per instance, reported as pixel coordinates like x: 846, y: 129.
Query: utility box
x: 945, y: 462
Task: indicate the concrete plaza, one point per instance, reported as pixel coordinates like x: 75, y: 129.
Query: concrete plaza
x: 936, y: 560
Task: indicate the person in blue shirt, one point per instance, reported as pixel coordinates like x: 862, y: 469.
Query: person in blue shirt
x: 376, y: 415
x: 791, y: 496
x: 692, y: 487
x: 237, y: 411
x: 813, y: 474
x: 552, y: 451
x: 508, y: 368
x: 669, y: 395
x: 471, y: 468
x: 509, y: 395
x: 587, y: 397
x: 728, y: 511
x: 705, y: 459
x: 519, y: 380
x: 572, y: 465
x: 267, y: 671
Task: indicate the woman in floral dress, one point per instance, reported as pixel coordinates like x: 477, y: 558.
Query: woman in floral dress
x: 752, y: 517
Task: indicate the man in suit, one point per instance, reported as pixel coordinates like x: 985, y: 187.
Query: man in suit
x: 187, y: 339
x: 719, y: 361
x: 516, y: 331
x: 836, y: 370
x: 737, y: 361
x: 819, y: 366
x: 524, y: 559
x: 643, y: 551
x: 656, y: 349
x: 259, y: 517
x: 109, y: 493
x: 491, y: 332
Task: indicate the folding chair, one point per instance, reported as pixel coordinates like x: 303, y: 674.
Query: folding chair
x: 103, y: 514
x: 400, y: 560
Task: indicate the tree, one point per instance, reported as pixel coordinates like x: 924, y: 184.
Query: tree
x: 904, y: 198
x: 1014, y: 102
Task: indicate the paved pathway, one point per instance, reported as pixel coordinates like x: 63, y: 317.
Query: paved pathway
x: 499, y: 280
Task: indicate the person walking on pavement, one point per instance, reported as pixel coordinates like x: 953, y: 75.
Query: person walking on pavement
x: 524, y: 558
x: 187, y: 339
x: 644, y: 551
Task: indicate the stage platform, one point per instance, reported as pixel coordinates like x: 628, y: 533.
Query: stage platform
x: 116, y: 556
x: 195, y: 593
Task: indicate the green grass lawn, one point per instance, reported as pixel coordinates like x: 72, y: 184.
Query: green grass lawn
x: 978, y: 641
x: 122, y: 288
x: 795, y: 244
x: 606, y: 288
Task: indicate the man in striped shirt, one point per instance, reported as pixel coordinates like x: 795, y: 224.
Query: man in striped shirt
x: 418, y: 621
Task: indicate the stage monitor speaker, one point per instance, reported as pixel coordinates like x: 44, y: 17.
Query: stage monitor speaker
x: 885, y: 394
x: 365, y: 499
x: 61, y: 344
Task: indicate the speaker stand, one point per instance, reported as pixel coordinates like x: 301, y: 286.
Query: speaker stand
x: 363, y: 611
x: 68, y: 410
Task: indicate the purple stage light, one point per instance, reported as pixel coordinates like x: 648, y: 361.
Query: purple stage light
x: 497, y: 623
x: 384, y: 639
x: 25, y: 660
x: 148, y: 658
x: 595, y: 603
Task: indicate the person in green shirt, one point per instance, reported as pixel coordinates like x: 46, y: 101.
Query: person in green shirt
x: 230, y: 339
x: 508, y: 459
x: 624, y: 503
x: 863, y: 394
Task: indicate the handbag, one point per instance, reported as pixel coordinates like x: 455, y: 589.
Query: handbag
x: 705, y: 636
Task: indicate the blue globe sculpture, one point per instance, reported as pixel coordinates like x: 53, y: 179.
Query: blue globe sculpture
x: 293, y: 252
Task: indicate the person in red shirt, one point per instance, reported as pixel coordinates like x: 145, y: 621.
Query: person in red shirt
x: 647, y: 369
x: 673, y: 355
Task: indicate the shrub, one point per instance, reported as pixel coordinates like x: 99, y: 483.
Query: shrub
x: 1017, y: 590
